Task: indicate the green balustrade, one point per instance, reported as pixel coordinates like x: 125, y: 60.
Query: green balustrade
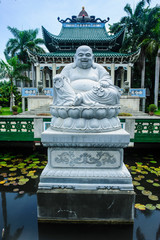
x: 22, y: 129
x: 16, y: 129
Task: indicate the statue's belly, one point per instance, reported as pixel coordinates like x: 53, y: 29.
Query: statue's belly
x: 83, y: 84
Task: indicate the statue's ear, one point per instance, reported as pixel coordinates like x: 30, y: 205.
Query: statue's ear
x: 93, y: 64
x: 74, y: 63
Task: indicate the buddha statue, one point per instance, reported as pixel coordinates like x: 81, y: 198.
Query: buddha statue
x: 86, y: 82
x: 85, y: 98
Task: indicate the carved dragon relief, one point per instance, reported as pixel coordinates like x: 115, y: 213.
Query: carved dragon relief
x: 101, y: 158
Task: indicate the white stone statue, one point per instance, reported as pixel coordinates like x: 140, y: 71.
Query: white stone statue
x: 84, y: 82
x: 85, y: 99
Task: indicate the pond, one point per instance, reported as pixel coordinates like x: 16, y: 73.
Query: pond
x: 19, y: 177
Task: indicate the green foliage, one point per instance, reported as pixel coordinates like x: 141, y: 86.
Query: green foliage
x: 142, y: 26
x: 5, y: 91
x: 152, y: 108
x: 22, y: 40
x: 14, y: 108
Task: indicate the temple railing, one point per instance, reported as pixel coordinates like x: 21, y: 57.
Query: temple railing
x: 18, y: 128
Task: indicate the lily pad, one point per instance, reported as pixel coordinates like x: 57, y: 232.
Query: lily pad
x: 35, y: 176
x: 150, y: 207
x: 158, y: 206
x: 144, y: 172
x: 140, y: 206
x: 153, y: 197
x: 21, y: 192
x: 153, y: 161
x: 141, y: 176
x: 139, y: 163
x: 135, y: 183
x: 21, y: 183
x: 156, y: 184
x: 149, y: 181
x: 13, y: 169
x: 3, y: 162
x: 23, y: 180
x: 137, y: 178
x: 6, y: 184
x: 15, y: 189
x: 41, y: 167
x: 2, y: 182
x: 146, y: 193
x: 140, y: 188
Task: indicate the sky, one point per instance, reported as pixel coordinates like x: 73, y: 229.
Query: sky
x: 31, y: 14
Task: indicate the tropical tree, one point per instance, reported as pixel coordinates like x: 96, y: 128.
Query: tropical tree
x: 13, y: 70
x: 140, y: 25
x: 23, y: 39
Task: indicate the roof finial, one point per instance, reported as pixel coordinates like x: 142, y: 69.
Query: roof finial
x: 83, y: 8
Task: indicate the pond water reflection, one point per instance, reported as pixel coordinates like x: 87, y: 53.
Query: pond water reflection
x: 18, y: 210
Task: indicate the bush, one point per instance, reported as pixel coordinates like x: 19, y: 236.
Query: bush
x: 4, y: 102
x: 125, y: 114
x: 20, y: 104
x: 14, y: 108
x: 152, y: 108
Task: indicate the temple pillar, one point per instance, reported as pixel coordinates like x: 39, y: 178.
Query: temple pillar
x: 113, y: 72
x: 44, y: 79
x: 53, y: 69
x: 122, y: 78
x: 129, y: 74
x: 37, y: 74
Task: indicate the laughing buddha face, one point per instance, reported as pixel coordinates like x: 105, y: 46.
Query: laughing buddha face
x: 84, y: 57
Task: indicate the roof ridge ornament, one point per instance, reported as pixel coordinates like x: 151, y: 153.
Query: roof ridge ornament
x: 83, y: 17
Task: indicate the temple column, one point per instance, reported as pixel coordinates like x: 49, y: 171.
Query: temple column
x: 44, y: 79
x: 113, y: 72
x: 37, y: 74
x: 53, y: 70
x: 129, y: 74
x: 122, y: 78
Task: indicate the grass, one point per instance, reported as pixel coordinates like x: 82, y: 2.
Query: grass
x: 157, y: 113
x: 6, y: 111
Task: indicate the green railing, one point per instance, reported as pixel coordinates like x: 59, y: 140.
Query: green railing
x: 16, y: 129
x: 24, y: 129
x: 147, y: 130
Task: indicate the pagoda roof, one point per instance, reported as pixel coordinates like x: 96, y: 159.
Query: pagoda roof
x: 83, y: 35
x: 121, y: 57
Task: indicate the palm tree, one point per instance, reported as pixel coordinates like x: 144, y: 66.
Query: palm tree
x: 23, y: 39
x: 140, y: 25
x: 12, y: 70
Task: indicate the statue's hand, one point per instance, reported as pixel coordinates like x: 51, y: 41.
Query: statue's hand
x: 104, y: 84
x: 78, y: 100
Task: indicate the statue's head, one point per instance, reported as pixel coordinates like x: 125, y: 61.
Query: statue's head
x: 58, y: 80
x: 84, y: 57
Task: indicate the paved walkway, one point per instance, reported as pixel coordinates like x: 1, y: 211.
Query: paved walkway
x: 44, y: 110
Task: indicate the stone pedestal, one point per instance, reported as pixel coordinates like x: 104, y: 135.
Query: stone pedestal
x: 85, y: 178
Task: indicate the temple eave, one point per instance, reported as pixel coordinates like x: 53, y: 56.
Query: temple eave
x: 99, y: 56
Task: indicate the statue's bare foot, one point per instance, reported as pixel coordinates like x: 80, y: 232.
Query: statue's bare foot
x: 78, y: 100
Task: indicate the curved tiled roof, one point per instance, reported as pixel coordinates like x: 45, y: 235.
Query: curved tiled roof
x: 82, y: 34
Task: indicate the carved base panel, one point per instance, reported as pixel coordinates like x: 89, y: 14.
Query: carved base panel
x: 85, y: 168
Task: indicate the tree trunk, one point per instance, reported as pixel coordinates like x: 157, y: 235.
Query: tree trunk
x: 156, y: 87
x: 11, y: 95
x: 143, y: 71
x: 143, y: 80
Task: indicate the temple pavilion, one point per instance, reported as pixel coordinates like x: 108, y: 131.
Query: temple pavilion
x: 76, y: 31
